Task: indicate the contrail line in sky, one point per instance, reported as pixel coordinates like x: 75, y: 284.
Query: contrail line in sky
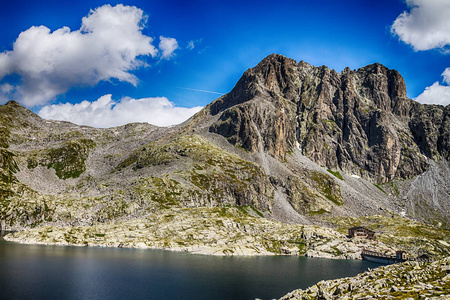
x: 203, y: 91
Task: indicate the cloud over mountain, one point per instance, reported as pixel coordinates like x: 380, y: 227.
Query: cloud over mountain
x: 427, y: 26
x: 109, y: 45
x: 437, y: 93
x: 107, y: 113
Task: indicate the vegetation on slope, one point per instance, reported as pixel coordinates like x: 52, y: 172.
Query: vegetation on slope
x: 210, y: 175
x: 67, y: 160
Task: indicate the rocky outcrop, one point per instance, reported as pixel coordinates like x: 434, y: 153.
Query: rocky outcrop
x: 401, y: 281
x: 250, y: 125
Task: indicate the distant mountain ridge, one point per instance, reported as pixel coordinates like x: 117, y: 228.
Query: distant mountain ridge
x: 295, y: 142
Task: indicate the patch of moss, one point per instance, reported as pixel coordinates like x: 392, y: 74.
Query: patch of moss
x: 394, y: 188
x: 257, y: 211
x: 8, y: 182
x: 8, y: 165
x: 327, y: 187
x: 318, y: 212
x: 4, y: 136
x: 336, y: 174
x: 336, y: 251
x: 151, y: 154
x: 379, y: 187
x: 273, y: 246
x: 68, y: 161
x: 242, y: 209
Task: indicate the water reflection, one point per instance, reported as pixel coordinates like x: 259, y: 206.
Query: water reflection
x: 56, y: 272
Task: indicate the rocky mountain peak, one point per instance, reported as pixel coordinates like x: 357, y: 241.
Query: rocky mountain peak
x: 274, y: 75
x: 358, y: 121
x: 15, y: 115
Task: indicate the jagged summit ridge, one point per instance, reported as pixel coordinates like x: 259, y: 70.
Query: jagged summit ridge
x: 279, y: 75
x: 357, y: 121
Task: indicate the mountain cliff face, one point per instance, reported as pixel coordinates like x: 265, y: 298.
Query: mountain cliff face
x: 294, y: 142
x: 358, y: 121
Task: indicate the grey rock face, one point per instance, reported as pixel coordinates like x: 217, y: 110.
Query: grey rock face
x: 256, y: 115
x: 358, y: 121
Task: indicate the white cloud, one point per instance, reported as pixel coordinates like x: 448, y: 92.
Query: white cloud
x: 437, y: 93
x: 426, y: 26
x: 107, y: 113
x: 108, y: 46
x: 191, y: 45
x: 5, y: 92
x: 6, y: 88
x: 167, y: 46
x: 446, y: 75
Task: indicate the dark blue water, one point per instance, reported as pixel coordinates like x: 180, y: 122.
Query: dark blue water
x: 55, y: 272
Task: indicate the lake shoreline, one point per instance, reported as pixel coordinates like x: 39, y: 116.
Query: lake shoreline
x: 207, y: 231
x: 198, y: 249
x: 425, y: 280
x: 194, y: 252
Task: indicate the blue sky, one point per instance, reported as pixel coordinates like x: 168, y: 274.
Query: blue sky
x: 163, y: 55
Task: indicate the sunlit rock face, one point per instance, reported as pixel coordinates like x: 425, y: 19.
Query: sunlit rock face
x: 359, y: 121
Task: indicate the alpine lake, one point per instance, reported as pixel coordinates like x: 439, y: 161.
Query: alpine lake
x: 62, y: 272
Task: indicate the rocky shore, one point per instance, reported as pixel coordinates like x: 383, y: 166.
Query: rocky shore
x: 212, y: 231
x: 409, y: 280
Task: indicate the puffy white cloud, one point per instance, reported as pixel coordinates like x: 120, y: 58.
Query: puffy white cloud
x: 437, y: 93
x: 109, y: 45
x: 167, y: 46
x: 426, y: 26
x: 107, y: 113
